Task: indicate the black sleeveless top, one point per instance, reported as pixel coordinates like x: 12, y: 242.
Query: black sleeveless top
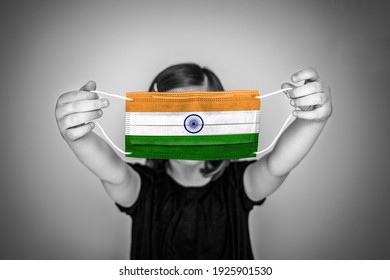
x: 171, y: 221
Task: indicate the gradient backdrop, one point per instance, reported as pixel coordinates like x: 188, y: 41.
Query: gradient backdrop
x: 334, y: 205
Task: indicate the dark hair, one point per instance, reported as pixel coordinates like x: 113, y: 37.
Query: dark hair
x: 184, y: 75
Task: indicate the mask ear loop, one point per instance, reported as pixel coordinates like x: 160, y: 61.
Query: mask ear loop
x: 130, y: 99
x: 113, y: 95
x: 284, y: 125
x: 101, y: 128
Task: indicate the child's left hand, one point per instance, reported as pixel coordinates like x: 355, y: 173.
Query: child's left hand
x: 312, y: 98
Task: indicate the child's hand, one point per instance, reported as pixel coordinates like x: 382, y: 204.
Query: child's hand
x: 312, y: 98
x: 76, y: 109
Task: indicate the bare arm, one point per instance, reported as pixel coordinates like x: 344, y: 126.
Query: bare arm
x: 74, y: 112
x: 314, y: 101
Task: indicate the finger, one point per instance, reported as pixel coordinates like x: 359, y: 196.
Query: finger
x: 82, y: 106
x: 76, y: 95
x: 80, y: 118
x: 319, y: 98
x: 91, y: 85
x: 77, y: 132
x: 287, y: 85
x: 305, y: 74
x: 307, y: 89
x: 321, y: 113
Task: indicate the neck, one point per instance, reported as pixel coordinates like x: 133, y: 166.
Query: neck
x: 188, y: 173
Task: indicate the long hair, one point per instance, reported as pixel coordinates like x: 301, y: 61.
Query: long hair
x: 185, y: 75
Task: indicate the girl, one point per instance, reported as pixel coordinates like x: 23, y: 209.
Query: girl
x: 184, y: 209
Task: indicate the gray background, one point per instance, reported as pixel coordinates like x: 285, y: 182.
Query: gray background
x: 334, y: 205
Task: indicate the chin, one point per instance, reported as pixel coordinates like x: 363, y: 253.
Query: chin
x: 189, y: 162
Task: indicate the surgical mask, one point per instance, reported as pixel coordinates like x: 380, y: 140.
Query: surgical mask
x: 197, y: 125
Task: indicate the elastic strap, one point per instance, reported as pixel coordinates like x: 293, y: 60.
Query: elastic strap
x: 273, y: 93
x: 112, y: 143
x: 113, y: 95
x: 277, y: 136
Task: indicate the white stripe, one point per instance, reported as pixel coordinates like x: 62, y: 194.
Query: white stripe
x: 149, y: 123
x: 174, y: 118
x: 179, y: 130
x: 127, y: 124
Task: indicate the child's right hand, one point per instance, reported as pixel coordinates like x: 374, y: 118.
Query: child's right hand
x: 75, y: 111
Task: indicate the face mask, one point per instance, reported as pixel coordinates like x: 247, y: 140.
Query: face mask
x: 197, y: 125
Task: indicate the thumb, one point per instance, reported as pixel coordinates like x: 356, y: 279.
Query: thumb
x: 287, y: 85
x: 91, y: 85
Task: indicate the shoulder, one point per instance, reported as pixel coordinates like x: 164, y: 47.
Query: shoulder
x: 147, y: 171
x: 142, y: 169
x: 237, y: 168
x: 233, y: 182
x: 149, y: 179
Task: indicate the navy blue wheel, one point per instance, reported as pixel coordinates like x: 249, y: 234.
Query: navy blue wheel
x: 193, y: 123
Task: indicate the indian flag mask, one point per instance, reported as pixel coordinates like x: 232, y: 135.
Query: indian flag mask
x: 198, y: 125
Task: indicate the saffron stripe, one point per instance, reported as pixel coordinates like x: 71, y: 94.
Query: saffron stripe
x: 196, y: 101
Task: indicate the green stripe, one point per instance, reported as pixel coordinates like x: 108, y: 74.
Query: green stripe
x: 192, y: 139
x: 193, y: 147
